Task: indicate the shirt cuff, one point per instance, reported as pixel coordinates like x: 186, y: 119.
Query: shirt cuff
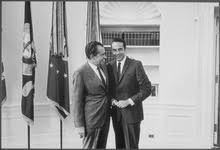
x: 80, y: 129
x: 130, y: 101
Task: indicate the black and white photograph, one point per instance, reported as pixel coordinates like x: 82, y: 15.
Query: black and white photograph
x: 110, y: 75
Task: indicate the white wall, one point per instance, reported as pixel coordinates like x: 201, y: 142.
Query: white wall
x: 177, y: 53
x: 181, y: 118
x: 185, y: 105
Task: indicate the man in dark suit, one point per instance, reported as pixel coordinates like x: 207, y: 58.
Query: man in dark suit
x: 129, y: 86
x: 91, y: 99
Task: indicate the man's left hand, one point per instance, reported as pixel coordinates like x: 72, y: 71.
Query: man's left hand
x: 123, y: 103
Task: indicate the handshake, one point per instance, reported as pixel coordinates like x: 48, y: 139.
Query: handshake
x: 122, y: 103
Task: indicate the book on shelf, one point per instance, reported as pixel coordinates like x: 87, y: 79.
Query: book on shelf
x: 129, y: 38
x: 105, y: 38
x: 148, y: 38
x: 157, y: 38
x: 126, y: 37
x: 142, y: 38
x: 132, y: 38
x: 138, y: 38
x: 151, y: 38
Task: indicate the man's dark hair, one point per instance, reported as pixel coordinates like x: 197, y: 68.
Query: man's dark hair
x: 91, y: 48
x: 120, y: 40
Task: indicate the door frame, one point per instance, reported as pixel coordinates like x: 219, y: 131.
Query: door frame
x: 216, y: 132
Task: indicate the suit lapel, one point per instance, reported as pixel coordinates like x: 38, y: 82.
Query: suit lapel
x: 127, y: 61
x: 93, y: 76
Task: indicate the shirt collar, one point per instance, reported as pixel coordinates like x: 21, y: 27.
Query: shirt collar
x: 92, y: 66
x: 123, y: 61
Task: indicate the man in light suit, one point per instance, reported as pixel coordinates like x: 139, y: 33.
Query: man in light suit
x: 91, y: 99
x: 129, y: 86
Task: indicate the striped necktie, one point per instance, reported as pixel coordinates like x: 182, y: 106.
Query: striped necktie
x: 102, y: 78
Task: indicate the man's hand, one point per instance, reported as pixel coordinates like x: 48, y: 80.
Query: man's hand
x: 123, y: 103
x: 114, y: 102
x: 81, y: 132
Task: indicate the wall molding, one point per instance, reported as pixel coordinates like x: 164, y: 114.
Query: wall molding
x: 133, y: 13
x: 40, y: 110
x: 48, y: 110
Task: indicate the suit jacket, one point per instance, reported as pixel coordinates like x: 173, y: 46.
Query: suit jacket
x: 133, y: 83
x: 91, y: 101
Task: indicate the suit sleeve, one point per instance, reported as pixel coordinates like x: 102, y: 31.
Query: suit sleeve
x: 78, y: 100
x: 144, y: 84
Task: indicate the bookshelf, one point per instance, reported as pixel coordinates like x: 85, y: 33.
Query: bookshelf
x: 143, y: 43
x: 132, y: 38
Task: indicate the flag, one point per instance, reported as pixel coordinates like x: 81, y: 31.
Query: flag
x: 28, y: 67
x: 58, y: 78
x: 2, y: 86
x: 93, y: 22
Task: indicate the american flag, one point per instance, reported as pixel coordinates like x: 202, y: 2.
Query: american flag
x: 58, y: 78
x: 93, y: 32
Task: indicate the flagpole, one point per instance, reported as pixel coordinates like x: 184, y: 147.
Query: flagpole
x: 28, y: 127
x: 28, y: 71
x: 1, y: 71
x: 61, y: 134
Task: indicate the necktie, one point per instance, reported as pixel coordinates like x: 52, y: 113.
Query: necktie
x: 119, y: 70
x: 102, y: 78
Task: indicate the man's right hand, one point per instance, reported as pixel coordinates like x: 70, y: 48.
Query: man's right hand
x: 114, y: 102
x: 81, y: 132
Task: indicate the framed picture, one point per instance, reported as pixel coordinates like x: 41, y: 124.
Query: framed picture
x: 154, y: 90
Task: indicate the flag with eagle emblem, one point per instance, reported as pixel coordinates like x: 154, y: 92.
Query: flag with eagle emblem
x: 28, y: 67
